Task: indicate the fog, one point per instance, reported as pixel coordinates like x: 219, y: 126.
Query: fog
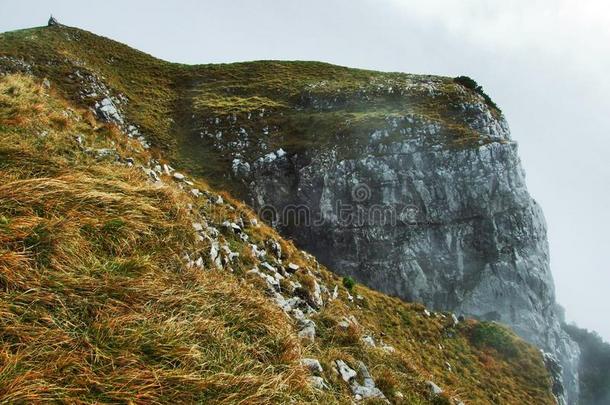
x: 545, y: 63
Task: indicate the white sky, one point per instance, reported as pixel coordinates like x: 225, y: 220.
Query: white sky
x: 546, y: 63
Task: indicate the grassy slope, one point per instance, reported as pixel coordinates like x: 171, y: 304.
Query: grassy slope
x: 98, y: 305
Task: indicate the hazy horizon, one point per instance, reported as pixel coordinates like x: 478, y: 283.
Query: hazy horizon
x: 545, y: 64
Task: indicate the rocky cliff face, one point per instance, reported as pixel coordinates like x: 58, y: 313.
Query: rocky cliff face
x: 411, y: 215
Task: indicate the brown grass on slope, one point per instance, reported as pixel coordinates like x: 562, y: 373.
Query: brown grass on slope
x: 96, y: 304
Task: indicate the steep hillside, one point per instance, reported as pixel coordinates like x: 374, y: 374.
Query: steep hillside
x: 279, y: 135
x: 123, y: 280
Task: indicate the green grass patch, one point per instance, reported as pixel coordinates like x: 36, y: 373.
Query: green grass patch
x: 494, y: 336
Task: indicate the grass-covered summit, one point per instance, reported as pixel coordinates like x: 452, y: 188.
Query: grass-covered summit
x: 183, y: 109
x: 123, y: 280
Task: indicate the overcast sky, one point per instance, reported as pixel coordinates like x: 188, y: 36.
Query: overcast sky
x: 546, y: 63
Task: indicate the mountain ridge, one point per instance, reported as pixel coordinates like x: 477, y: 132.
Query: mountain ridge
x: 119, y: 101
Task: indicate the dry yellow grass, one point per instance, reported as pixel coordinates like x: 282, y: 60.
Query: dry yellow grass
x: 96, y: 304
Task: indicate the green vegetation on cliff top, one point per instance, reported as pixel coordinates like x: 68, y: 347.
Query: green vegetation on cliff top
x: 305, y: 105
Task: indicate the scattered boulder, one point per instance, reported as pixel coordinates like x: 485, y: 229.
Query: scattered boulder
x: 368, y: 341
x: 455, y: 320
x: 107, y: 111
x: 269, y: 267
x: 215, y: 254
x: 316, y: 295
x: 308, y: 329
x: 347, y: 321
x: 346, y: 373
x: 434, y: 389
x: 232, y: 226
x: 257, y: 252
x: 367, y: 389
x: 275, y: 248
x: 388, y: 348
x: 335, y: 293
x: 318, y: 382
x: 313, y: 365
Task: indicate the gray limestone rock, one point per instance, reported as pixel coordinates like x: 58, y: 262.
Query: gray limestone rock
x: 313, y: 365
x: 412, y: 215
x: 345, y: 371
x: 434, y: 389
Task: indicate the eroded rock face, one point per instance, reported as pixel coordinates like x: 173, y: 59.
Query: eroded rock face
x: 413, y: 215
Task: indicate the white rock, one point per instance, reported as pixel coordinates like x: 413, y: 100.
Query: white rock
x: 316, y: 295
x: 388, y: 348
x: 308, y: 329
x: 455, y: 320
x: 279, y: 298
x: 178, y: 176
x: 293, y: 267
x: 232, y: 225
x: 276, y: 248
x: 318, y: 382
x: 347, y: 321
x: 269, y: 267
x: 258, y: 253
x: 335, y: 293
x: 368, y: 340
x: 213, y: 232
x: 367, y: 389
x: 435, y: 389
x: 297, y: 314
x: 229, y: 253
x: 215, y: 254
x: 313, y: 365
x: 364, y: 392
x: 345, y: 371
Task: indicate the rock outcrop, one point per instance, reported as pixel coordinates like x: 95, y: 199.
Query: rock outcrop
x: 413, y: 215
